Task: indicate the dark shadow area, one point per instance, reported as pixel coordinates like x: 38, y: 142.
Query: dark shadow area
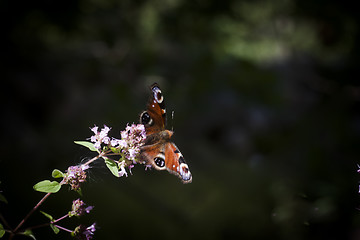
x: 267, y: 114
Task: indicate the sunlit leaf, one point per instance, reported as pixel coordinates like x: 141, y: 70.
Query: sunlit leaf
x: 112, y: 166
x: 47, y: 186
x: 29, y: 233
x: 3, y: 199
x: 47, y: 215
x: 55, y: 228
x: 79, y: 192
x: 57, y: 173
x: 89, y: 145
x: 2, y: 231
x: 115, y: 150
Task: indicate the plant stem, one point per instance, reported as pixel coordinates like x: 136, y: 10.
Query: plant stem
x: 39, y: 226
x: 94, y: 158
x: 62, y: 228
x: 31, y: 212
x: 59, y: 219
x: 47, y: 224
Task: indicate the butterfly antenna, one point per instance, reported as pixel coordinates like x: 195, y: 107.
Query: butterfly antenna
x: 172, y: 120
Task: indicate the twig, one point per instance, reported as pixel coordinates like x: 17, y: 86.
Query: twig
x: 62, y: 228
x: 47, y: 224
x: 31, y: 212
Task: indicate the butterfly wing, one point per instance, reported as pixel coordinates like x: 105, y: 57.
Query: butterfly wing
x: 167, y: 156
x: 154, y: 155
x: 154, y: 118
x: 175, y: 163
x: 158, y: 149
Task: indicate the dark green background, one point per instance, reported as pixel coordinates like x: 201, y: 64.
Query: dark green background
x: 266, y: 97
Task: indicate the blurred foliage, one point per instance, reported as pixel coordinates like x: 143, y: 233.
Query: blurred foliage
x: 266, y: 99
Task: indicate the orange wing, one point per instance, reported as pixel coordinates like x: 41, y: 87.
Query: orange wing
x: 154, y: 118
x: 175, y: 163
x: 167, y: 156
x: 158, y: 150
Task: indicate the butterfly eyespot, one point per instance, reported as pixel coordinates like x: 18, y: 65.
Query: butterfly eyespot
x: 159, y: 162
x: 158, y: 95
x: 145, y: 118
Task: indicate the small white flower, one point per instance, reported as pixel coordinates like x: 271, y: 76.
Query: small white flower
x: 114, y: 142
x: 106, y: 140
x: 97, y: 145
x: 132, y: 153
x: 92, y: 228
x: 122, y: 171
x: 84, y: 167
x: 104, y: 132
x: 124, y: 134
x: 122, y: 143
x: 130, y: 167
x: 94, y: 129
x: 93, y: 138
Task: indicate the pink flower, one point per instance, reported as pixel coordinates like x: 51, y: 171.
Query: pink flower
x: 85, y: 233
x: 122, y: 143
x: 128, y: 147
x: 132, y: 139
x: 78, y: 208
x: 74, y: 176
x: 100, y: 137
x: 122, y: 171
x: 132, y: 153
x: 130, y: 167
x: 94, y: 129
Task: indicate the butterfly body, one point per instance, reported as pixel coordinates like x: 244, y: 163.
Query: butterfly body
x: 159, y: 150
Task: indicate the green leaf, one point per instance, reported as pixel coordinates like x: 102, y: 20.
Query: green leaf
x: 79, y: 192
x: 3, y: 199
x: 47, y: 215
x: 57, y: 173
x: 115, y: 150
x: 47, y: 186
x: 29, y: 233
x: 2, y: 231
x: 89, y: 145
x: 55, y: 228
x: 112, y: 166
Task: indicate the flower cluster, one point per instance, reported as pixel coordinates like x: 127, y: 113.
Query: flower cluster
x: 75, y: 175
x: 100, y: 137
x: 84, y: 233
x: 132, y: 138
x: 128, y: 147
x: 79, y: 209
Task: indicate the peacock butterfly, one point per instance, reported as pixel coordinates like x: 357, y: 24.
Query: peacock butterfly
x: 159, y: 151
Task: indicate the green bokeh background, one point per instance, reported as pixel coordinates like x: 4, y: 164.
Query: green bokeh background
x: 266, y: 98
